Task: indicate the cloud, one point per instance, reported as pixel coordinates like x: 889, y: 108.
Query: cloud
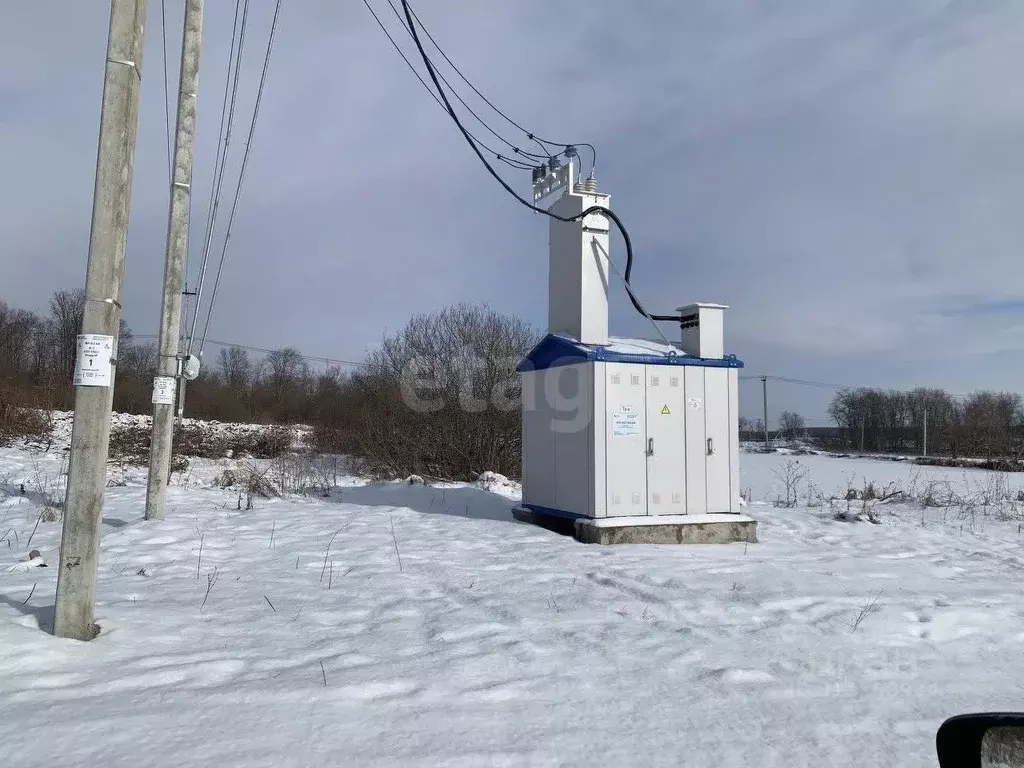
x: 844, y: 175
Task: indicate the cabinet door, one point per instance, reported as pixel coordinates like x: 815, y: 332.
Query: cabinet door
x: 716, y: 415
x: 696, y: 442
x: 626, y: 436
x: 734, y: 440
x: 666, y: 441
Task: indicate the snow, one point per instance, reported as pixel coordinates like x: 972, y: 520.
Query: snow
x: 417, y: 625
x: 835, y: 474
x: 63, y: 421
x: 629, y: 346
x: 643, y: 347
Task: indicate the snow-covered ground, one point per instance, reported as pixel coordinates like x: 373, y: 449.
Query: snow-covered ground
x: 62, y: 421
x: 398, y: 625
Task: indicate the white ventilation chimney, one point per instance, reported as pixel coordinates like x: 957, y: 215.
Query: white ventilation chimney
x: 703, y: 329
x: 577, y: 272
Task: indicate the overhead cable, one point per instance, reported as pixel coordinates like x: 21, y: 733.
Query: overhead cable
x: 533, y: 155
x: 517, y: 164
x: 491, y: 104
x: 603, y: 210
x: 227, y: 117
x: 241, y: 173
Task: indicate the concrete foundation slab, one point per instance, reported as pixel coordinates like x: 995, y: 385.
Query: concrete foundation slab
x: 681, y: 529
x: 684, y: 529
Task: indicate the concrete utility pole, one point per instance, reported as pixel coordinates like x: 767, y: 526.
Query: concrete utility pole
x: 924, y: 448
x: 165, y: 385
x: 97, y: 344
x: 764, y: 391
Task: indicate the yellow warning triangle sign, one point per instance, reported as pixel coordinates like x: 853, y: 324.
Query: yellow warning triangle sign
x: 664, y: 409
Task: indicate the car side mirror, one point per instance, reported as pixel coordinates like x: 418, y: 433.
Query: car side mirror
x: 985, y: 740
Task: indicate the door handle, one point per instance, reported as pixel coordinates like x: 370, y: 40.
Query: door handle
x: 650, y: 446
x: 711, y: 446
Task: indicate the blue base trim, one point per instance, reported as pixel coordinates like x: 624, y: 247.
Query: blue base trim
x: 554, y: 512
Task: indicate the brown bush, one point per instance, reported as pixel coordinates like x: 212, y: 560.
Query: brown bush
x: 439, y: 399
x: 22, y: 419
x: 130, y: 444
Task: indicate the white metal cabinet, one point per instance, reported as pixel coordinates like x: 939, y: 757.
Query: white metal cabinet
x: 666, y: 441
x: 626, y: 453
x: 538, y: 443
x: 696, y: 442
x: 598, y: 490
x: 734, y: 439
x: 570, y: 395
x: 718, y: 448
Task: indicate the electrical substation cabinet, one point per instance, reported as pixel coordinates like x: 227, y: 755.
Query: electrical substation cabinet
x: 630, y: 428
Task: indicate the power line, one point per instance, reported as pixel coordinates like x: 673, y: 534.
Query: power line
x: 328, y: 360
x: 227, y: 109
x: 250, y: 348
x: 513, y: 163
x: 241, y: 172
x: 493, y: 105
x: 836, y: 387
x: 490, y: 103
x: 543, y: 158
x: 603, y: 210
x: 802, y: 382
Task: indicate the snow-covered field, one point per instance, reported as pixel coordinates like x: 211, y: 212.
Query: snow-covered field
x: 396, y: 625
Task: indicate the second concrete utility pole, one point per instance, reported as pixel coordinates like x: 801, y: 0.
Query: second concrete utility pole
x: 165, y: 385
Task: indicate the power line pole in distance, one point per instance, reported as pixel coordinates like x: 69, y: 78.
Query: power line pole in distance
x: 764, y: 392
x: 165, y: 385
x: 97, y: 344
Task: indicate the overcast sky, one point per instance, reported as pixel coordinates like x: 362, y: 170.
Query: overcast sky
x: 847, y: 175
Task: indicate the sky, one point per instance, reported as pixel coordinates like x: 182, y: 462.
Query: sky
x: 846, y: 175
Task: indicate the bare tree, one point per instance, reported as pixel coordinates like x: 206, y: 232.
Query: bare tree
x: 18, y: 330
x: 285, y: 387
x: 235, y: 368
x: 894, y: 421
x: 67, y: 308
x: 441, y: 398
x: 791, y: 476
x: 990, y: 419
x: 792, y: 424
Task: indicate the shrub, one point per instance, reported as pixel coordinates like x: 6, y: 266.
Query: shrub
x: 22, y: 418
x: 130, y: 444
x: 439, y: 399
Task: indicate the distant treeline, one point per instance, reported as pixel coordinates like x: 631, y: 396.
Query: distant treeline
x: 987, y: 425
x: 982, y: 424
x: 458, y: 355
x: 37, y: 363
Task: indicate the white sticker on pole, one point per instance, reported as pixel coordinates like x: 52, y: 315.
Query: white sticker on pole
x: 93, y: 363
x: 695, y: 403
x: 163, y: 390
x: 625, y: 422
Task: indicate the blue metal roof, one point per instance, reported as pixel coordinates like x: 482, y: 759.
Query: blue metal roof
x: 553, y: 351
